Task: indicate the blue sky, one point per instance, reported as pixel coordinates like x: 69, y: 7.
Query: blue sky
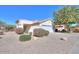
x: 10, y: 13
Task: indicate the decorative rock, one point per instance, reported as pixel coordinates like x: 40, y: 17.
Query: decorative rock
x: 64, y: 38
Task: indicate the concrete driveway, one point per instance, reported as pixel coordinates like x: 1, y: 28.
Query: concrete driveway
x: 10, y: 44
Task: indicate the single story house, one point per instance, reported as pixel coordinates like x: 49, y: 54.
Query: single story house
x: 61, y: 27
x: 2, y: 29
x: 74, y: 26
x: 29, y: 26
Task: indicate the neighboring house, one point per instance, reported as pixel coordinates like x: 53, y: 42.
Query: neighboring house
x: 2, y: 27
x: 73, y: 24
x: 29, y: 26
x: 74, y: 27
x: 61, y: 27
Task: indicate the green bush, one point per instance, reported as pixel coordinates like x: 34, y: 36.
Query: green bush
x: 63, y: 30
x: 19, y: 31
x: 25, y: 37
x: 40, y: 32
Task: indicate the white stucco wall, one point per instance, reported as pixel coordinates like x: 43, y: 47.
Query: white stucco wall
x: 23, y: 21
x: 50, y: 29
x: 19, y: 26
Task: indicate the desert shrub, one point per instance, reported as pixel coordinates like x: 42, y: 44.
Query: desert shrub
x: 19, y: 31
x: 25, y: 37
x: 1, y: 32
x: 40, y: 32
x: 10, y: 27
x: 63, y: 30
